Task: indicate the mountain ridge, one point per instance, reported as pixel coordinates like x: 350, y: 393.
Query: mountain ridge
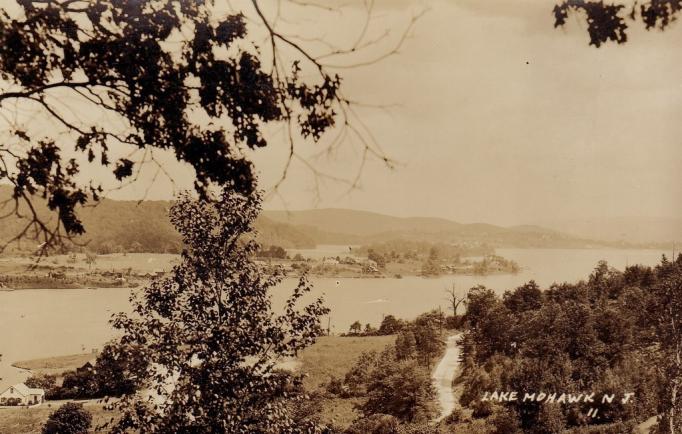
x: 368, y: 226
x: 115, y: 225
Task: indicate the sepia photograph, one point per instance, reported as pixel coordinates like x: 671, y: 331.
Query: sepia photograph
x: 340, y: 217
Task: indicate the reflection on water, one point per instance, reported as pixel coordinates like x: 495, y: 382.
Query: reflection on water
x: 42, y: 323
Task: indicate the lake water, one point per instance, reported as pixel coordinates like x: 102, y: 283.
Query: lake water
x: 43, y: 323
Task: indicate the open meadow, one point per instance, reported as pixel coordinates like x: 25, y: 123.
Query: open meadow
x: 329, y: 356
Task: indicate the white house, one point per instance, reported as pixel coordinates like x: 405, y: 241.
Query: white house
x: 24, y: 394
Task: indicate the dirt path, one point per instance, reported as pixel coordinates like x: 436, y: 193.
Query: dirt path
x: 445, y: 372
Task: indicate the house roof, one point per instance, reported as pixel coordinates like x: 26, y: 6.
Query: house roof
x: 25, y: 390
x: 90, y: 363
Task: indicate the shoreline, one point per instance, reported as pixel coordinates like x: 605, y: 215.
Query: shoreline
x: 317, y: 276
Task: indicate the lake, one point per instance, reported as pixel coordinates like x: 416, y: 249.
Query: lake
x: 43, y: 323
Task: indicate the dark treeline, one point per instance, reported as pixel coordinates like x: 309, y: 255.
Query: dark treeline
x: 617, y: 332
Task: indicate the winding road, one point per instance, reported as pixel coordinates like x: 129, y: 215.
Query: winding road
x: 444, y: 374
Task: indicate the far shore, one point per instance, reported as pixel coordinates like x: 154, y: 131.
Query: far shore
x: 133, y: 270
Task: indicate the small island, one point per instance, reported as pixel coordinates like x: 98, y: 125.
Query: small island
x: 397, y: 258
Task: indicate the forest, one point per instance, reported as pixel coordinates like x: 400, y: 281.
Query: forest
x: 612, y: 334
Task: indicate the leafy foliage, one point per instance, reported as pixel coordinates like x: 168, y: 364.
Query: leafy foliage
x: 405, y: 345
x: 374, y: 424
x: 209, y: 333
x: 390, y: 325
x: 397, y: 381
x: 70, y: 418
x: 111, y: 376
x: 400, y: 388
x: 608, y: 21
x: 206, y: 98
x: 41, y: 381
x: 616, y: 332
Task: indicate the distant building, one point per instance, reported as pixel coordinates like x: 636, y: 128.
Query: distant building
x: 21, y: 394
x: 330, y: 261
x: 88, y: 366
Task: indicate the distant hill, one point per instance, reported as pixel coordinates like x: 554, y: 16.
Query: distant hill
x: 114, y: 225
x: 360, y: 227
x: 125, y: 223
x: 131, y: 226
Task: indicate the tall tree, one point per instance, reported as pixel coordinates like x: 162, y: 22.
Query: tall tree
x: 104, y: 87
x: 209, y: 332
x: 455, y: 300
x: 355, y: 328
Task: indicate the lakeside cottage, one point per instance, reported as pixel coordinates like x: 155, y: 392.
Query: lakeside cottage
x: 88, y: 366
x: 21, y: 394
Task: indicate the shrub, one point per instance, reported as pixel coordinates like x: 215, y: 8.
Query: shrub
x: 506, y: 422
x: 357, y: 377
x: 405, y: 345
x: 12, y: 402
x: 456, y: 416
x: 482, y: 409
x: 70, y: 418
x: 336, y: 387
x: 84, y: 383
x: 629, y: 427
x: 550, y: 419
x: 374, y: 424
x: 45, y: 381
x: 420, y: 428
x: 400, y: 388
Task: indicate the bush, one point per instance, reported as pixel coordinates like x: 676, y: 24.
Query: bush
x: 420, y: 428
x: 628, y: 427
x: 453, y: 322
x: 400, y: 388
x: 336, y: 387
x: 358, y: 376
x: 455, y: 417
x: 81, y: 384
x: 12, y: 402
x: 506, y: 422
x: 550, y: 419
x: 482, y: 409
x: 45, y: 381
x: 70, y: 418
x: 374, y: 424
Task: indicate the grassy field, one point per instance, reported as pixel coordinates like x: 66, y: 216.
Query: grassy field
x: 31, y: 420
x: 55, y: 365
x: 330, y: 356
x: 334, y: 355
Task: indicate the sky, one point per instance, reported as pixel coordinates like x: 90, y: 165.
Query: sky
x: 489, y: 113
x: 501, y: 118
